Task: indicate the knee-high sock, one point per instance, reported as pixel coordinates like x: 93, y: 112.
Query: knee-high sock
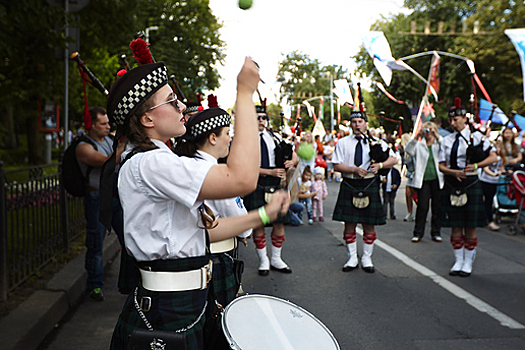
x: 260, y: 241
x: 349, y: 237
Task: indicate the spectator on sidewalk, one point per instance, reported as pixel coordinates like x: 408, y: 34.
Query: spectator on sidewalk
x: 91, y: 161
x: 390, y: 184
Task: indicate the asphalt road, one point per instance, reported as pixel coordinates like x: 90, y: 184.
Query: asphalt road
x: 409, y: 303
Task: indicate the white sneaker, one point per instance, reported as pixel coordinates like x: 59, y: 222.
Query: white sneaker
x: 493, y: 227
x: 409, y: 217
x: 311, y: 222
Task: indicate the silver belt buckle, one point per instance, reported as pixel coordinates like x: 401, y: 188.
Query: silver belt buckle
x: 145, y: 304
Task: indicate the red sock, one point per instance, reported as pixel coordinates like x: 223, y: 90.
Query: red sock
x: 471, y: 243
x: 457, y: 242
x: 277, y: 241
x: 349, y: 237
x: 260, y: 241
x: 369, y: 238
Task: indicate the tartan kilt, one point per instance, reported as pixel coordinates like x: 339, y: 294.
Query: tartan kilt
x: 345, y: 210
x: 169, y: 311
x: 471, y: 214
x: 224, y: 283
x: 255, y: 200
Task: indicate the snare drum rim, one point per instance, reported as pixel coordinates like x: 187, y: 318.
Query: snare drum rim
x: 229, y: 336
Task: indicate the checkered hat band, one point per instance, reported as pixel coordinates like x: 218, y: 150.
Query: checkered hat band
x: 204, y: 126
x: 192, y: 109
x: 139, y: 92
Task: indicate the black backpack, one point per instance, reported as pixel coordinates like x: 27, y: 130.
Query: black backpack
x: 72, y: 178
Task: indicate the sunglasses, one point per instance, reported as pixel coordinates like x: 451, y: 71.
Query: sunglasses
x: 174, y: 102
x: 263, y: 117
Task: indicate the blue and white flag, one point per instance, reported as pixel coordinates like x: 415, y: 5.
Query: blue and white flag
x: 378, y: 48
x: 517, y: 36
x: 485, y: 110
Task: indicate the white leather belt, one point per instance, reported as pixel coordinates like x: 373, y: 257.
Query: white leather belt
x: 167, y: 281
x: 223, y: 246
x: 471, y: 173
x: 353, y: 176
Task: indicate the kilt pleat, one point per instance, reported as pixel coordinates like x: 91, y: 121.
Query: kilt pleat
x: 170, y: 311
x: 224, y: 282
x: 345, y: 210
x: 471, y: 214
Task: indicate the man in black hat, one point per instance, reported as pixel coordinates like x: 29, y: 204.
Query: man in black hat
x: 271, y: 172
x: 359, y: 200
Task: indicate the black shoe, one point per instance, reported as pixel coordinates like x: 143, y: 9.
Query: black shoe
x: 283, y: 270
x: 264, y: 272
x: 464, y: 274
x: 369, y: 269
x: 454, y: 273
x: 415, y: 239
x: 392, y: 217
x: 96, y: 295
x: 349, y: 268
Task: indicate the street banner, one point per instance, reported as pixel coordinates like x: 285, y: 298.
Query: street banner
x: 342, y: 90
x: 517, y: 37
x: 433, y: 79
x: 485, y: 110
x: 389, y: 95
x: 378, y: 48
x: 318, y: 129
x: 310, y: 109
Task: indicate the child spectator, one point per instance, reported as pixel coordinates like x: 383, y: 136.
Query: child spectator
x: 318, y: 187
x: 328, y: 153
x: 305, y: 196
x: 391, y: 183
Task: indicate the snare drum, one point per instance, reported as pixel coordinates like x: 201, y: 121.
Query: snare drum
x: 262, y: 322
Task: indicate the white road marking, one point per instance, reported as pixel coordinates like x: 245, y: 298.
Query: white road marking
x: 459, y: 292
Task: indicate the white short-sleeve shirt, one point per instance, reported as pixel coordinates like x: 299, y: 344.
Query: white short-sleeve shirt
x: 228, y: 207
x: 345, y: 151
x: 158, y: 192
x: 448, y: 143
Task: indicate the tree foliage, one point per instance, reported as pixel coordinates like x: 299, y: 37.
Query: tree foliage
x: 305, y: 78
x: 497, y: 63
x: 32, y: 45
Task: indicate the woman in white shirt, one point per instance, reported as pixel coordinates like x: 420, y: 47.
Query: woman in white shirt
x: 162, y: 199
x: 462, y: 200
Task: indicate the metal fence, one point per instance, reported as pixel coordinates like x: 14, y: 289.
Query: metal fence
x: 38, y: 221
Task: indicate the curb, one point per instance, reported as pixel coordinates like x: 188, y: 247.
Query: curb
x: 32, y: 321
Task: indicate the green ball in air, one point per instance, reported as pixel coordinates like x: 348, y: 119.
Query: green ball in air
x: 245, y: 4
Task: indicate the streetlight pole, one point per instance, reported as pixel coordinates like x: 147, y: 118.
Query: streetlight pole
x: 331, y: 103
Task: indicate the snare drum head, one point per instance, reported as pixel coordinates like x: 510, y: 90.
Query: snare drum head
x: 262, y: 322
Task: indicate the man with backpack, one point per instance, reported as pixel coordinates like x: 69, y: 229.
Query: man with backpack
x: 91, y: 153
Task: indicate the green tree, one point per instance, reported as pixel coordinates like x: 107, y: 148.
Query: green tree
x: 305, y: 78
x: 496, y: 61
x: 32, y: 46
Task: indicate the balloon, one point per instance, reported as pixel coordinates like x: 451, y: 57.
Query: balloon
x: 306, y: 151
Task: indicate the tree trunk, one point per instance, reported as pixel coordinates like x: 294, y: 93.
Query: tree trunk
x: 7, y: 121
x: 34, y: 143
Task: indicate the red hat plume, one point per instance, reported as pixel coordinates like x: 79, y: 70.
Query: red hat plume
x: 141, y: 51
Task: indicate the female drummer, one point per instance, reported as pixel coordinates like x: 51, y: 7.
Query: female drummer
x: 161, y: 195
x: 462, y: 200
x: 207, y: 139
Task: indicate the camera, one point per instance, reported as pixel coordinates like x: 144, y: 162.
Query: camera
x: 426, y: 130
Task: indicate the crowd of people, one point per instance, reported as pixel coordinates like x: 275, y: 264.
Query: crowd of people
x: 181, y: 195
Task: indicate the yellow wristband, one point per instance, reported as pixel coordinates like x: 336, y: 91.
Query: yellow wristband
x: 476, y: 166
x: 264, y: 216
x: 380, y: 165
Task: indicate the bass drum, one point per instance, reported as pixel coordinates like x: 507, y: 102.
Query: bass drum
x: 262, y: 322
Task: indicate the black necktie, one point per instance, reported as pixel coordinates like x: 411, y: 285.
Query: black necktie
x: 358, y: 156
x: 265, y: 159
x: 454, y: 154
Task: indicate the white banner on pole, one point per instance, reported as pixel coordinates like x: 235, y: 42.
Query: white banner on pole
x: 517, y: 37
x: 342, y: 90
